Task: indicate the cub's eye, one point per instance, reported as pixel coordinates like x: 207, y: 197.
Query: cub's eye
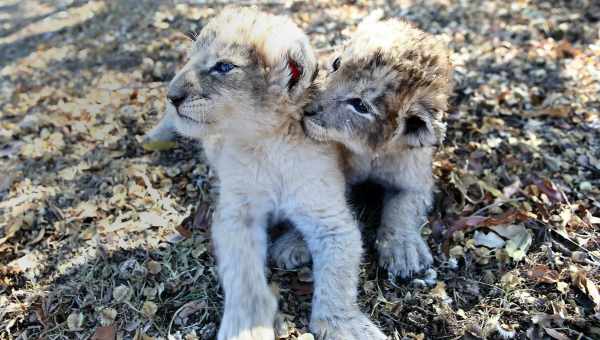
x: 222, y: 67
x: 358, y: 105
x: 336, y: 64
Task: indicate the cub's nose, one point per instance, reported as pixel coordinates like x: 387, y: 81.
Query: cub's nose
x: 176, y: 97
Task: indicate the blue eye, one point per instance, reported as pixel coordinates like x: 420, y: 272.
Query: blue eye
x: 358, y: 105
x: 222, y: 67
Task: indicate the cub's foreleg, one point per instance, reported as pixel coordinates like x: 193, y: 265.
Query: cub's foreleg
x: 240, y: 241
x: 334, y: 241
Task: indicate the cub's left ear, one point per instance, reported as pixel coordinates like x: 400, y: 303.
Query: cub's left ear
x: 420, y: 129
x: 295, y: 72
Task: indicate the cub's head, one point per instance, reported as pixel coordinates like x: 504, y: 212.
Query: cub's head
x: 387, y: 88
x: 244, y: 66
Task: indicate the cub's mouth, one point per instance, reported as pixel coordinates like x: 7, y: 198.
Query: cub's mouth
x: 314, y: 129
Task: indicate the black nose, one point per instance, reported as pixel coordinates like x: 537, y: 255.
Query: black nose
x: 176, y: 97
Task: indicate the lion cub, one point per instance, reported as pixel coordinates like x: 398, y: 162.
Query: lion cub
x: 241, y: 93
x: 383, y: 100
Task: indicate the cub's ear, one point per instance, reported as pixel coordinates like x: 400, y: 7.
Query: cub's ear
x: 295, y: 70
x: 420, y: 128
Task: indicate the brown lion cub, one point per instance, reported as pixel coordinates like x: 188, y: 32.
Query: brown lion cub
x: 241, y: 93
x: 383, y: 101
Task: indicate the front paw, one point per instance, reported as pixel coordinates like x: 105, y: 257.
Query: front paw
x: 235, y: 326
x: 403, y: 255
x: 290, y: 251
x: 355, y: 326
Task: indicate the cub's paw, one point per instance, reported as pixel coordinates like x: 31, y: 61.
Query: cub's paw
x: 290, y: 251
x: 355, y: 326
x: 236, y: 327
x: 403, y: 255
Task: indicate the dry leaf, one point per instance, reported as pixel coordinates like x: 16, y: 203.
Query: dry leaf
x: 556, y: 334
x: 542, y: 274
x: 108, y: 316
x: 152, y: 219
x: 121, y: 293
x: 153, y: 267
x: 185, y: 232
x: 518, y: 245
x: 586, y: 285
x: 149, y: 309
x: 75, y: 321
x: 188, y: 309
x: 105, y: 333
x: 440, y: 291
x: 562, y: 287
x: 490, y: 240
x: 510, y: 280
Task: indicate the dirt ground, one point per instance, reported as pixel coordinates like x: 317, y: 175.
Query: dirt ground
x: 102, y: 239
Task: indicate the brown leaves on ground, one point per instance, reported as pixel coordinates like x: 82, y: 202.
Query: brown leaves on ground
x: 103, y: 237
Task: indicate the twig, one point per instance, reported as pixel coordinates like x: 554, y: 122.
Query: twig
x: 496, y: 204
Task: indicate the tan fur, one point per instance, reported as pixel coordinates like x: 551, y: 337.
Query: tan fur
x: 402, y: 76
x: 249, y: 121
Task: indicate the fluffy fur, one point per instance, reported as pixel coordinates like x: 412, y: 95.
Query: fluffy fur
x: 384, y: 100
x: 249, y: 122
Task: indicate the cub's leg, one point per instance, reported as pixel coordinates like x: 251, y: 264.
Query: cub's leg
x: 240, y: 241
x: 402, y: 250
x: 164, y: 131
x: 334, y: 241
x: 289, y: 251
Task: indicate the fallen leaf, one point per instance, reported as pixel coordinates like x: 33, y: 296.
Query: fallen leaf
x: 152, y: 219
x: 440, y: 291
x: 549, y: 188
x: 188, y: 309
x: 562, y: 287
x: 149, y: 309
x: 579, y: 256
x: 509, y: 190
x: 556, y: 334
x: 518, y: 246
x: 587, y: 286
x: 108, y: 316
x: 121, y: 293
x: 510, y: 280
x: 154, y: 267
x: 105, y: 333
x: 542, y: 274
x: 508, y: 231
x: 75, y: 321
x: 490, y: 240
x: 185, y: 232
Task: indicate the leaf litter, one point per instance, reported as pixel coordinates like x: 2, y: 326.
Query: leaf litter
x: 102, y: 237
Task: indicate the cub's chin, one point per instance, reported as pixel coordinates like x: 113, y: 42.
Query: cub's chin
x: 314, y: 130
x: 190, y: 128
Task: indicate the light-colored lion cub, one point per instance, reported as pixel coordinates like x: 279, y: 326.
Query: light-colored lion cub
x: 384, y: 100
x: 241, y: 93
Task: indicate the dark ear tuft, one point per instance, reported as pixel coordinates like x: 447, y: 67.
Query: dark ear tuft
x: 296, y: 71
x: 414, y: 124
